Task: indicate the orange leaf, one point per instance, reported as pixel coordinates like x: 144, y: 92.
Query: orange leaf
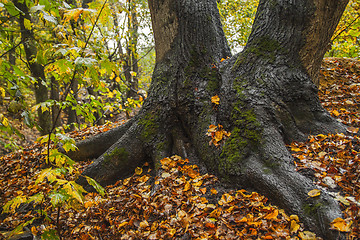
x: 314, y: 193
x: 294, y: 227
x: 210, y: 225
x: 272, y: 215
x: 215, y: 99
x: 213, y: 191
x: 341, y: 225
x: 138, y: 171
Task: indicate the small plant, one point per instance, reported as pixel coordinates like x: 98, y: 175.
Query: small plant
x: 63, y: 191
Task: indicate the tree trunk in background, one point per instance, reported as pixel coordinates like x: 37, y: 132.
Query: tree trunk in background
x: 55, y: 109
x: 72, y: 116
x: 267, y: 99
x: 131, y: 63
x: 36, y: 69
x: 12, y: 58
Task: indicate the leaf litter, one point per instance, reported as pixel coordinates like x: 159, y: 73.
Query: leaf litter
x: 183, y: 203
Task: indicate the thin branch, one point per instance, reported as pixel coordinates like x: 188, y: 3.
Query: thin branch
x: 67, y: 90
x: 345, y: 29
x: 13, y: 48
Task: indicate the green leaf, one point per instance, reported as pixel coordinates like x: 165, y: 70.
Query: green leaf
x: 58, y: 198
x: 27, y: 119
x: 36, y: 8
x: 37, y: 198
x: 75, y: 191
x: 18, y: 71
x: 49, y: 174
x: 50, y: 235
x: 85, y: 61
x: 14, y: 11
x: 14, y: 203
x: 96, y: 185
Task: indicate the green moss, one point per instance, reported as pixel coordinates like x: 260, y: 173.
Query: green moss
x: 269, y: 164
x: 245, y: 137
x: 213, y: 83
x: 263, y: 47
x: 197, y: 67
x: 312, y: 209
x: 150, y: 124
x: 117, y: 153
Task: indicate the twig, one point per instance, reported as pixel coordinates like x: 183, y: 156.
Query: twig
x: 343, y: 30
x: 67, y: 89
x: 11, y: 49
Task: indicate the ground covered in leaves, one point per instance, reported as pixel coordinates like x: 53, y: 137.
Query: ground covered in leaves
x: 182, y: 203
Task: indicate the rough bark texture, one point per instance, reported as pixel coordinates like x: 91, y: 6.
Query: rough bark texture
x: 267, y: 99
x: 37, y: 70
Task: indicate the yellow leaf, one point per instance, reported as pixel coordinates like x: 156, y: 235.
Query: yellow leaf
x: 165, y: 175
x: 314, y: 193
x: 215, y: 99
x: 2, y: 92
x: 341, y: 225
x: 336, y: 113
x: 187, y: 186
x: 272, y: 215
x: 212, y: 128
x: 144, y: 224
x: 213, y: 191
x: 138, y: 171
x: 218, y: 136
x: 5, y: 122
x: 112, y: 76
x: 197, y: 184
x: 122, y: 224
x: 294, y: 217
x: 322, y: 154
x: 294, y: 227
x: 295, y: 149
x: 27, y: 24
x: 225, y: 198
x: 306, y: 235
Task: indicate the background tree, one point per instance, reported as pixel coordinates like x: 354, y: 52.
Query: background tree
x: 345, y: 41
x: 58, y: 32
x: 264, y: 96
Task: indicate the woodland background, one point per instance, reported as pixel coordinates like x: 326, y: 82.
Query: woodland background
x: 70, y: 69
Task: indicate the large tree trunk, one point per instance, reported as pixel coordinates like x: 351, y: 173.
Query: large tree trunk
x: 267, y: 99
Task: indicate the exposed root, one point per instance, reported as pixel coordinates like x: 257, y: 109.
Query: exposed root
x: 95, y: 146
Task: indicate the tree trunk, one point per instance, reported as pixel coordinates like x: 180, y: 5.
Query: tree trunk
x: 131, y: 62
x: 267, y: 99
x: 72, y: 116
x: 36, y: 69
x: 55, y: 109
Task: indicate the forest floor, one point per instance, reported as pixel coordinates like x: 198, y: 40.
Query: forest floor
x: 182, y: 203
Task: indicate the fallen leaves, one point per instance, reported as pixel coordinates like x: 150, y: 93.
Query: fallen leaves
x: 314, y: 193
x: 341, y: 225
x: 217, y: 134
x: 180, y: 202
x: 215, y: 99
x: 334, y: 159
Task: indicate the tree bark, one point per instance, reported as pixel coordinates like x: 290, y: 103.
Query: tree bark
x: 267, y: 99
x: 131, y: 59
x: 36, y: 69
